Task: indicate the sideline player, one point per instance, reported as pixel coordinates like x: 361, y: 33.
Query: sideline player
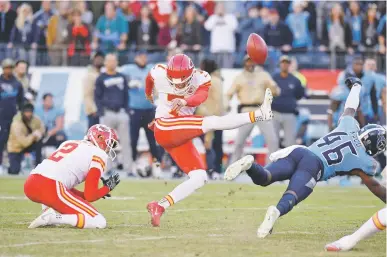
x: 181, y: 88
x: 347, y: 150
x: 375, y: 224
x: 52, y: 182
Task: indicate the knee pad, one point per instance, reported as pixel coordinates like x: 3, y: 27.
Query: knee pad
x: 98, y: 221
x: 200, y: 176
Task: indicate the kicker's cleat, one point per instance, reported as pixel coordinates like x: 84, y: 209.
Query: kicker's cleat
x: 239, y: 166
x: 156, y: 211
x: 267, y: 225
x: 341, y: 245
x: 43, y: 220
x: 264, y: 112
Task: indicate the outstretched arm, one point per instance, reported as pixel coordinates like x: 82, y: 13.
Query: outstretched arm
x: 353, y: 99
x: 373, y: 185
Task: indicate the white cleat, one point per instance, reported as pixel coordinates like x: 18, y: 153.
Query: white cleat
x: 267, y: 225
x: 264, y: 112
x: 341, y: 245
x: 43, y: 220
x: 239, y: 166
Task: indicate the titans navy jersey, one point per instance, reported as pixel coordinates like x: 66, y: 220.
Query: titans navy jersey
x: 341, y: 151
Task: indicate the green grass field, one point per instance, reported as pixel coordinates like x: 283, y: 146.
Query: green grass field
x: 219, y: 220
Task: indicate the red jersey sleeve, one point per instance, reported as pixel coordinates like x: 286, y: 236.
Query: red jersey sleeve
x: 199, y: 97
x: 92, y: 192
x: 149, y: 84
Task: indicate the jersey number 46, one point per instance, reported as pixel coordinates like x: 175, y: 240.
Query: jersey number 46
x: 335, y: 155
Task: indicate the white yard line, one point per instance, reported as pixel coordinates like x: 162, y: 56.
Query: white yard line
x: 52, y: 243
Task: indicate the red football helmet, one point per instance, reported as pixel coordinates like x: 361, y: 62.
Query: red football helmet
x: 103, y: 137
x: 179, y: 74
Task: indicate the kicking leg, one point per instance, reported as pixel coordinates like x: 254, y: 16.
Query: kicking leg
x: 375, y: 224
x: 233, y: 121
x: 189, y: 160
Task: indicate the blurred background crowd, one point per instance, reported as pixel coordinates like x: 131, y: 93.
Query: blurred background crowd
x: 66, y: 33
x: 124, y: 38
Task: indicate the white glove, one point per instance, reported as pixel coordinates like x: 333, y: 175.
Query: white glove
x: 37, y: 134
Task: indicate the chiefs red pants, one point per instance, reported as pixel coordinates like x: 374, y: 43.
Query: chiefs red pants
x: 175, y: 136
x: 54, y: 194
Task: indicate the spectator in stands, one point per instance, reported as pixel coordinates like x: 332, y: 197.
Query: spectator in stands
x: 129, y: 9
x: 337, y: 35
x: 222, y: 27
x: 142, y: 112
x: 285, y: 105
x: 354, y: 21
x: 382, y: 34
x: 264, y: 13
x: 58, y: 35
x: 293, y: 69
x: 369, y: 28
x: 11, y: 98
x: 112, y: 100
x: 310, y: 7
x: 86, y: 15
x: 169, y: 35
x: 21, y: 74
x: 24, y: 137
x: 191, y: 31
x: 7, y: 21
x: 144, y: 30
x: 251, y: 24
x: 277, y: 34
x: 53, y: 119
x: 214, y: 105
x: 111, y: 31
x: 41, y: 19
x: 298, y: 22
x: 79, y: 40
x: 93, y: 71
x: 256, y: 80
x: 23, y: 35
x: 161, y: 10
x: 368, y: 92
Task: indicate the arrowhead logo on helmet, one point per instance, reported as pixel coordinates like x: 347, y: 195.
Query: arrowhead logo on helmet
x: 180, y: 70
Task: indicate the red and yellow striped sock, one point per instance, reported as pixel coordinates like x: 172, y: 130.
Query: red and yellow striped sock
x: 167, y: 201
x: 80, y: 220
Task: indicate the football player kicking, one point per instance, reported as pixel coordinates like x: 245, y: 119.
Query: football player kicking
x: 52, y: 182
x: 375, y: 224
x: 347, y: 150
x: 181, y: 88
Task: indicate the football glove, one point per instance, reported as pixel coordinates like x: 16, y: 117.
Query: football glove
x: 112, y: 180
x: 351, y: 81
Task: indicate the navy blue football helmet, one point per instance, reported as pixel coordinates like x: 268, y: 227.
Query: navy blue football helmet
x: 373, y: 137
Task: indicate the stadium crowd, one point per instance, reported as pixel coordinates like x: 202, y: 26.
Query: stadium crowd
x: 136, y: 34
x: 67, y: 32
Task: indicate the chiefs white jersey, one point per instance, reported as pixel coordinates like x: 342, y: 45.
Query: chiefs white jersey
x: 166, y: 93
x: 71, y: 162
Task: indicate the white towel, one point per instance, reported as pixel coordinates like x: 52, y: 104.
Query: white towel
x: 283, y: 152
